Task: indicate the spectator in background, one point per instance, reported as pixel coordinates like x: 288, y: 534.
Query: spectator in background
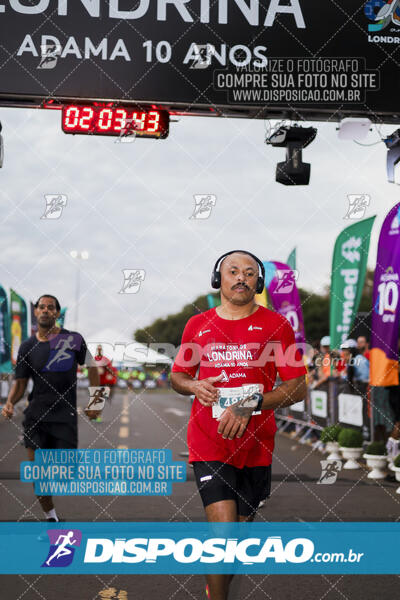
x: 323, y: 361
x: 338, y: 363
x: 357, y: 365
x: 363, y: 346
x: 312, y: 361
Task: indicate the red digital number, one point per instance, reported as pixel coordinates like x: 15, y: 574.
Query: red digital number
x: 104, y: 121
x: 120, y: 115
x: 86, y: 118
x: 71, y: 117
x: 139, y: 120
x: 153, y: 122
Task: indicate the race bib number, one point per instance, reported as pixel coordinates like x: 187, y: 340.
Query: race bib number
x: 229, y: 396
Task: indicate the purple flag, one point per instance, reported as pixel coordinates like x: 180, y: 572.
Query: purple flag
x: 384, y: 355
x: 285, y: 298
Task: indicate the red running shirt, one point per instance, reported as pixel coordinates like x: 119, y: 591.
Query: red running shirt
x: 105, y: 376
x: 246, y: 351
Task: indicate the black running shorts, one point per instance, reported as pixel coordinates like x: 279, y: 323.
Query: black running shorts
x: 49, y: 435
x: 218, y: 481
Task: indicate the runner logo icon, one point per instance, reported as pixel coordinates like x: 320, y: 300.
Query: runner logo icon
x: 203, y: 205
x: 132, y: 280
x: 286, y: 280
x: 62, y: 547
x: 54, y: 206
x: 357, y: 206
x: 62, y: 350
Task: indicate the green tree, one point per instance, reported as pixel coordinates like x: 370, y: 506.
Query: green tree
x: 169, y: 330
x: 316, y: 314
x: 366, y: 298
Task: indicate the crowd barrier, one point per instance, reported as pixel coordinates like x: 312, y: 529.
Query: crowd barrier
x: 334, y: 401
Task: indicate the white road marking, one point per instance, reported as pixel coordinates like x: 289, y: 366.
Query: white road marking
x: 123, y: 432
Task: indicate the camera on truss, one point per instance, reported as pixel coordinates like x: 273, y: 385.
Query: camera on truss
x: 293, y: 171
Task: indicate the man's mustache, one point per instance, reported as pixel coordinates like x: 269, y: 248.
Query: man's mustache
x: 241, y: 285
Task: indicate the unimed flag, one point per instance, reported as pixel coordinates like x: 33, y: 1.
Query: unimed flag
x: 5, y: 345
x: 385, y: 314
x: 349, y: 265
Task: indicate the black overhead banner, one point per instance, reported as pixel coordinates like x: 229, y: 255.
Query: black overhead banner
x: 320, y: 59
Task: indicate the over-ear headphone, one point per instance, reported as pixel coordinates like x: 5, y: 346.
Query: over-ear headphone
x: 216, y: 274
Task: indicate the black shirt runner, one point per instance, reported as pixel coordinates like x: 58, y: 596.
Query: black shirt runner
x: 53, y: 366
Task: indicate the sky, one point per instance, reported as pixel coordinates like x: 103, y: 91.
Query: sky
x: 129, y: 205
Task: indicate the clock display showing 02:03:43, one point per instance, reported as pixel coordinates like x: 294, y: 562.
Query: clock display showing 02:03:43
x: 116, y: 121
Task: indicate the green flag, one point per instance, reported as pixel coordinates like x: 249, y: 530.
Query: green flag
x: 61, y: 318
x: 349, y: 265
x: 5, y: 339
x: 291, y: 261
x: 19, y: 323
x: 213, y: 301
x: 210, y: 300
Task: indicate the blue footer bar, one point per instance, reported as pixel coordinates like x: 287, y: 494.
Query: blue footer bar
x: 199, y: 548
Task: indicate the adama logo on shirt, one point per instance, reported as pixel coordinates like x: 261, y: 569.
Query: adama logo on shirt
x: 252, y: 327
x: 226, y: 377
x: 203, y: 332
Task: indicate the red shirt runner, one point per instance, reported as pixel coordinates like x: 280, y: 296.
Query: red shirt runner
x: 246, y: 351
x: 106, y: 378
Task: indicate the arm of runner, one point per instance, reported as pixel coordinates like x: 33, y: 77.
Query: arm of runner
x: 203, y: 389
x: 234, y: 420
x: 286, y: 394
x: 16, y: 393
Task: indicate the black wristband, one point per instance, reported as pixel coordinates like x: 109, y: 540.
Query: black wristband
x: 260, y: 398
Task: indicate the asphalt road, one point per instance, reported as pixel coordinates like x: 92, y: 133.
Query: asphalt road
x: 157, y: 419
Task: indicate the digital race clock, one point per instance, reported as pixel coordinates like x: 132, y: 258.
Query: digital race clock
x: 119, y: 121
